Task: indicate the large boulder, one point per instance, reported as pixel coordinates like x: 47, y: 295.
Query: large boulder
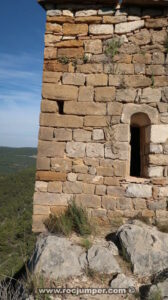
x: 145, y: 247
x: 123, y: 282
x: 57, y: 257
x: 100, y: 259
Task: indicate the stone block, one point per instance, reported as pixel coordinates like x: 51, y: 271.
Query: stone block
x: 157, y: 205
x: 115, y: 108
x: 120, y: 168
x: 113, y: 181
x: 96, y: 80
x: 130, y: 109
x: 141, y: 38
x: 46, y: 133
x: 155, y: 148
x: 123, y: 69
x: 101, y: 29
x: 38, y: 223
x: 84, y: 108
x: 72, y: 188
x: 118, y: 150
x: 116, y: 80
x: 86, y: 93
x: 156, y: 23
x: 54, y: 28
x: 59, y: 92
x: 139, y: 68
x: 93, y: 46
x: 61, y: 164
x: 86, y: 13
x: 55, y: 187
x: 98, y: 134
x: 51, y: 39
x: 108, y: 202
x: 116, y: 191
x: 88, y: 20
x: 51, y: 77
x: 126, y: 95
x: 95, y: 121
x: 43, y: 163
x: 71, y: 52
x: 61, y: 121
x: 55, y: 66
x: 41, y: 186
x: 90, y: 68
x: 73, y: 79
x: 150, y: 95
x: 121, y: 132
x: 142, y: 58
x: 105, y: 171
x: 88, y: 201
x: 49, y: 106
x: 137, y: 81
x: 51, y: 148
x: 75, y: 29
x: 62, y: 134
x: 104, y: 94
x: 88, y: 188
x: 160, y: 81
x: 156, y: 70
x: 155, y: 171
x: 95, y: 150
x: 157, y: 133
x: 87, y: 178
x: 50, y: 53
x: 75, y: 149
x: 114, y: 19
x: 163, y: 191
x: 139, y: 190
x: 124, y: 204
x: 129, y: 26
x: 41, y: 210
x: 139, y: 203
x: 100, y: 190
x: 50, y: 176
x: 54, y: 12
x: 52, y: 199
x: 81, y: 135
x: 91, y: 162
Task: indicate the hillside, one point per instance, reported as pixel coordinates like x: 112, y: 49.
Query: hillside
x: 16, y: 194
x: 15, y: 159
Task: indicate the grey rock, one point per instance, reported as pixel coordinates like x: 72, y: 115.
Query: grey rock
x: 101, y: 259
x: 122, y: 281
x: 56, y: 257
x: 145, y: 247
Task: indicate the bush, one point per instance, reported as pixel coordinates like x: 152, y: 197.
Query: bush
x: 112, y: 48
x: 75, y: 219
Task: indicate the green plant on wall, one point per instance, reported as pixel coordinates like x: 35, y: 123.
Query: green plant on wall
x: 112, y: 48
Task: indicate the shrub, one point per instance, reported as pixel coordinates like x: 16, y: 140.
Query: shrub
x: 112, y: 48
x: 85, y: 243
x: 75, y: 219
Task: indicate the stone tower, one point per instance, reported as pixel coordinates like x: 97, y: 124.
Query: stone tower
x: 103, y: 138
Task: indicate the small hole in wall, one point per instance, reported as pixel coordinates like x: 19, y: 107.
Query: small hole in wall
x: 60, y: 107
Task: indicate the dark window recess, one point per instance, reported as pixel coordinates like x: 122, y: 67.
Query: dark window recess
x: 135, y: 168
x: 60, y: 107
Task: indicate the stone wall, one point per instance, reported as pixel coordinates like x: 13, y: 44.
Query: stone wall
x: 101, y: 67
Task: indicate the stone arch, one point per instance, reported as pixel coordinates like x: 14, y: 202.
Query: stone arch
x: 131, y: 109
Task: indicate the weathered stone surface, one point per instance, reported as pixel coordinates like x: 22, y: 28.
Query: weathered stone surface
x: 43, y: 163
x: 126, y: 95
x: 41, y: 186
x: 71, y: 52
x: 54, y: 263
x: 50, y: 176
x: 155, y: 148
x: 120, y: 168
x: 60, y: 19
x: 100, y: 190
x: 97, y: 80
x: 51, y: 77
x: 121, y: 132
x: 54, y: 12
x: 95, y: 150
x: 84, y: 108
x: 163, y: 191
x: 88, y: 12
x: 108, y: 202
x: 61, y: 134
x: 139, y: 190
x: 85, y: 93
x: 73, y: 79
x: 53, y: 28
x: 114, y: 109
x: 137, y: 81
x: 155, y: 70
x: 81, y: 135
x: 50, y: 53
x: 104, y: 94
x: 55, y: 187
x: 141, y: 38
x: 142, y: 58
x: 59, y: 92
x: 70, y: 44
x: 155, y: 171
x: 61, y: 164
x: 95, y: 121
x: 52, y: 199
x: 128, y: 27
x: 46, y: 133
x: 123, y: 68
x: 114, y: 19
x: 72, y: 187
x: 158, y: 160
x: 90, y: 68
x: 118, y: 150
x: 151, y: 95
x: 122, y: 281
x: 75, y: 29
x: 47, y: 148
x: 61, y: 121
x: 156, y: 23
x: 131, y: 109
x: 49, y: 106
x: 101, y: 29
x: 55, y: 66
x: 101, y: 260
x: 145, y: 248
x: 157, y: 133
x: 160, y: 81
x: 98, y: 134
x: 89, y: 201
x: 105, y: 171
x: 89, y: 20
x: 51, y: 39
x: 75, y: 149
x: 93, y: 46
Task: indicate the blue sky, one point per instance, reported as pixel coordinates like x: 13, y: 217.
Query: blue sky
x: 22, y: 24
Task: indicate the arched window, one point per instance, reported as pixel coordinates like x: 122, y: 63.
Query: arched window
x: 139, y: 150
